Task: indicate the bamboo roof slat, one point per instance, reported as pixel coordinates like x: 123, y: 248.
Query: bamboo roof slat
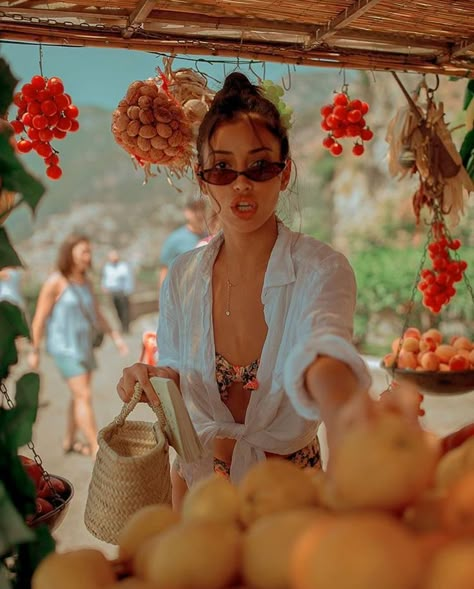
x: 431, y: 36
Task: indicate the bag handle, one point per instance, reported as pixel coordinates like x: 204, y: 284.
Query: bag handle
x: 130, y: 406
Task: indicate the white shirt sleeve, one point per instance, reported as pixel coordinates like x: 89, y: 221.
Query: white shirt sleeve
x: 168, y: 330
x: 326, y: 330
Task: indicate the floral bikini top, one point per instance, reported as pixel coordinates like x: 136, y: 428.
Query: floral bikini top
x: 227, y: 373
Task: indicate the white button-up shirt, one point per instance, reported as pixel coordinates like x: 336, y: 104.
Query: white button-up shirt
x: 308, y: 295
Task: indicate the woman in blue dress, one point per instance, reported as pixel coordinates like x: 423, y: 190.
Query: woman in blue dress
x: 68, y: 315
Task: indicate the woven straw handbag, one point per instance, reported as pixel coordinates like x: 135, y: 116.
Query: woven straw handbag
x: 132, y: 470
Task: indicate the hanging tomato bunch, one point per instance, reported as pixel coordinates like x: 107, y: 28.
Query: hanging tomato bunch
x: 45, y: 113
x: 345, y: 118
x: 437, y: 284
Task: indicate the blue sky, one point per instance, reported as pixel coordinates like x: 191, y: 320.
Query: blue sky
x: 100, y: 77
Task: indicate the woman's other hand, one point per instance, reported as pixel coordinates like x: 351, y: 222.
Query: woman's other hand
x: 142, y: 373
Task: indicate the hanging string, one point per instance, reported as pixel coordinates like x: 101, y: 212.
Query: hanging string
x: 287, y: 87
x: 40, y: 47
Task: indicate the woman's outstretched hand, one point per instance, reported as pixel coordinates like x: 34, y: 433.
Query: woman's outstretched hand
x: 142, y: 373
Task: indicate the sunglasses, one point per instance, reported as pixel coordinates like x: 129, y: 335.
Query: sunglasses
x: 261, y: 173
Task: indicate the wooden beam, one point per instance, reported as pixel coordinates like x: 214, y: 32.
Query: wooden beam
x: 320, y: 57
x: 456, y: 51
x: 228, y: 22
x: 394, y: 39
x: 342, y: 19
x: 463, y: 47
x: 93, y: 17
x: 138, y: 17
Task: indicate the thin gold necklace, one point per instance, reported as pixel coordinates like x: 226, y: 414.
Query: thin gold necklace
x: 229, y: 287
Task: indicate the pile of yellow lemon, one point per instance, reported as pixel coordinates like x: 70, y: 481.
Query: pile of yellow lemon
x: 391, y: 512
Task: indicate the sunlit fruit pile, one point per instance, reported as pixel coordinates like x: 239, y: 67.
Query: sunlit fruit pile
x: 345, y: 118
x: 437, y: 284
x: 45, y: 113
x: 391, y: 512
x: 47, y: 493
x: 428, y: 351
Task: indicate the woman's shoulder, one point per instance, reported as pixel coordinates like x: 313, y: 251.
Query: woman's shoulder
x: 195, y: 262
x: 311, y: 251
x: 55, y: 280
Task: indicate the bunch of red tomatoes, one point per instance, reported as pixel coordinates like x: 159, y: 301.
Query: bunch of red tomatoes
x: 345, y: 118
x: 45, y: 113
x: 437, y: 284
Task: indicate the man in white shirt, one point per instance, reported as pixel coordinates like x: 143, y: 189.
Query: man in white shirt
x: 118, y: 281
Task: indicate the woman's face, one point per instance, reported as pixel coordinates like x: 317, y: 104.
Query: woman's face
x: 82, y: 256
x: 244, y: 205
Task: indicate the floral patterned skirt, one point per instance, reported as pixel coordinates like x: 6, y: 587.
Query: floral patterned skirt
x: 307, y: 457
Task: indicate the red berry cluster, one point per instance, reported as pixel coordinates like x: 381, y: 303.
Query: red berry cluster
x: 345, y: 118
x: 45, y: 113
x: 437, y: 285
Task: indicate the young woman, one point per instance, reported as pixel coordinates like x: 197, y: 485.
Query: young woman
x: 69, y: 313
x: 255, y: 327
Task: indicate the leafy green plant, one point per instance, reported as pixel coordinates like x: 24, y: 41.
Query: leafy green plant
x: 21, y: 547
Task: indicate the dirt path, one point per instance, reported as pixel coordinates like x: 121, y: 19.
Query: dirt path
x: 443, y: 414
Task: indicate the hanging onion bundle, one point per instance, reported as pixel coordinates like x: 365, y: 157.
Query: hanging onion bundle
x: 190, y: 90
x: 151, y: 125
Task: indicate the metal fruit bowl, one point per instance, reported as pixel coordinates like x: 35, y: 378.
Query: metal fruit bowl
x: 436, y: 383
x: 61, y: 503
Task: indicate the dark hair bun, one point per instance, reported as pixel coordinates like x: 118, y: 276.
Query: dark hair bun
x: 238, y: 83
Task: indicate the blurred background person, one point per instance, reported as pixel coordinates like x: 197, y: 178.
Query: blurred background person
x: 118, y: 281
x: 184, y: 238
x: 213, y: 227
x: 67, y: 311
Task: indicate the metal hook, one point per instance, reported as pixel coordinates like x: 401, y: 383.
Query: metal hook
x: 259, y: 79
x: 289, y: 79
x: 344, y: 82
x: 204, y: 74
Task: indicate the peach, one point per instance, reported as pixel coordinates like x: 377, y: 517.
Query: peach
x: 358, y: 550
x: 443, y: 367
x: 463, y: 343
x: 457, y: 512
x: 384, y: 463
x: 407, y: 360
x: 452, y: 566
x: 430, y: 361
x: 427, y: 344
x: 433, y: 333
x: 458, y: 362
x: 389, y: 359
x: 412, y: 332
x: 411, y: 344
x: 465, y: 353
x: 471, y: 357
x: 396, y: 344
x: 445, y: 352
x: 430, y: 542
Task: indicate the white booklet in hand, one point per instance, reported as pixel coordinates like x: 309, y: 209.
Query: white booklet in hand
x: 179, y: 428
